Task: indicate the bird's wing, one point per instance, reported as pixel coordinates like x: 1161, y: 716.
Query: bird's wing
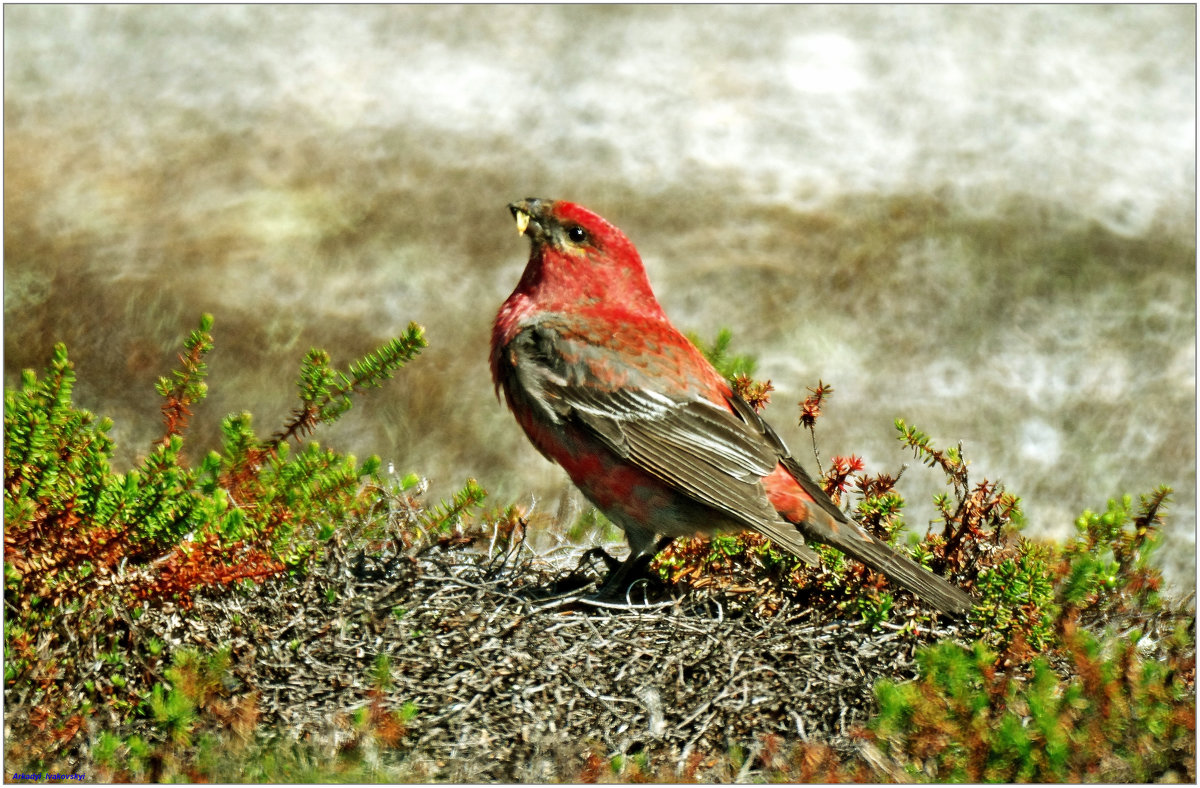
x: 701, y: 448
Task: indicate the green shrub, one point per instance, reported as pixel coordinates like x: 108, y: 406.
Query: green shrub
x: 1114, y: 718
x: 83, y: 541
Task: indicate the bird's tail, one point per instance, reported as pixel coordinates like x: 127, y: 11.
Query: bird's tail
x: 899, y: 569
x: 861, y: 546
x: 818, y: 519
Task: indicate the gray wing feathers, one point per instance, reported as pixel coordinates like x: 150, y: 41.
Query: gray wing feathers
x: 688, y: 444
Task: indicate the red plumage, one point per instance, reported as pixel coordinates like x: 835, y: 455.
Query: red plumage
x: 649, y: 431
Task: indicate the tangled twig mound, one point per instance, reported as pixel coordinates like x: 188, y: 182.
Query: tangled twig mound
x: 500, y: 685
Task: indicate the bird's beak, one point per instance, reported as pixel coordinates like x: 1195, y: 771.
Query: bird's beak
x: 522, y: 220
x: 526, y: 212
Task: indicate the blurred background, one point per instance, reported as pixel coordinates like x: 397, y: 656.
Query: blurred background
x: 980, y: 219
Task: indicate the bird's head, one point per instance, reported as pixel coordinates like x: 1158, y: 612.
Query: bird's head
x: 579, y: 260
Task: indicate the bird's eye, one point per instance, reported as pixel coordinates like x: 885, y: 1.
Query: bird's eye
x: 577, y: 234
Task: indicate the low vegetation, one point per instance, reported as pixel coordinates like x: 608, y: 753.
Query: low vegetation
x: 278, y: 611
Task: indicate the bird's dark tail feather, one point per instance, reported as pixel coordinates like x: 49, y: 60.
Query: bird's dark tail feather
x: 902, y: 571
x: 829, y: 525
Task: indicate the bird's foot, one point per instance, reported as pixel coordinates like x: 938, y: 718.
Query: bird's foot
x: 563, y: 587
x: 570, y: 584
x: 631, y: 577
x: 611, y: 561
x: 628, y: 583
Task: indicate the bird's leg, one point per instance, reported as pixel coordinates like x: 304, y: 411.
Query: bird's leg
x: 611, y: 561
x: 614, y: 586
x: 640, y: 555
x: 620, y: 573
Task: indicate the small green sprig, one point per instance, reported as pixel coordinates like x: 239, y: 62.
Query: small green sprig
x: 325, y: 392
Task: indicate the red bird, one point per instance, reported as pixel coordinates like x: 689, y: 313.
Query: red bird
x: 649, y: 431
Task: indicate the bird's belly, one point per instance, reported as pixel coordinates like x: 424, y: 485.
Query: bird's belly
x: 631, y: 497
